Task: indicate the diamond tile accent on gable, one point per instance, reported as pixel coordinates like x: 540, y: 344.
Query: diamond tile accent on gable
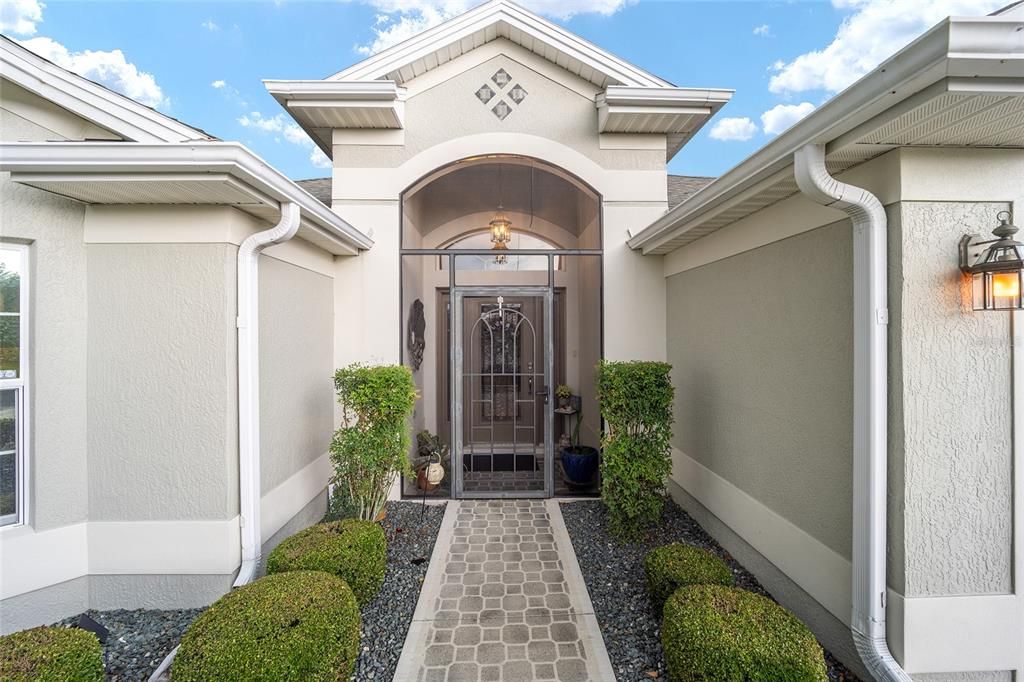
x: 501, y: 110
x: 485, y: 94
x: 501, y: 78
x: 517, y: 94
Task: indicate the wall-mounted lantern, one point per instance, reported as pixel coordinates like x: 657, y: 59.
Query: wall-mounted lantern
x: 996, y: 267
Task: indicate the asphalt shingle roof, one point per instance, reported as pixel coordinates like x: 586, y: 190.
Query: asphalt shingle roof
x: 320, y: 188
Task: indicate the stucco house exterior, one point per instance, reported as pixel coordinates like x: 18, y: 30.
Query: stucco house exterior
x: 499, y: 217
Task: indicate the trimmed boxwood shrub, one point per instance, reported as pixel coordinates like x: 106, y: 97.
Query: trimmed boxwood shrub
x: 300, y: 625
x: 636, y: 403
x: 351, y: 549
x: 50, y: 654
x: 670, y: 567
x: 713, y: 633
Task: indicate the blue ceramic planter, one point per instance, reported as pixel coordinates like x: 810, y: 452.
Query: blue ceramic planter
x: 579, y: 464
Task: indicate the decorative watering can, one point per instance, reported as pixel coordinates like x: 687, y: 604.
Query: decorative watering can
x: 435, y: 472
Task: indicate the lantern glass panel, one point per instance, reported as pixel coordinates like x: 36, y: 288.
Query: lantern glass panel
x: 998, y: 290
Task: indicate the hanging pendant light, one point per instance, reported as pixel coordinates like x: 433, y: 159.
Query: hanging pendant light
x: 501, y: 228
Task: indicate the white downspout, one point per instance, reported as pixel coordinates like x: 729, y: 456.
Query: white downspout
x: 249, y: 492
x: 870, y: 403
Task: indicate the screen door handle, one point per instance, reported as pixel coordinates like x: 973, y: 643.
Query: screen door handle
x: 543, y: 392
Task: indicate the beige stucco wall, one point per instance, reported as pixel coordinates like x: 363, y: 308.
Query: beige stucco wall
x: 161, y: 368
x: 759, y: 459
x: 296, y: 368
x: 762, y: 362
x: 57, y: 262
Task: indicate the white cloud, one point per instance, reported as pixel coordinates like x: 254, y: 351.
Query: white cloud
x: 19, y: 17
x: 782, y: 116
x: 398, y: 20
x: 763, y: 30
x: 107, y: 67
x: 281, y: 126
x: 740, y: 129
x: 218, y: 84
x: 872, y: 33
x: 210, y: 25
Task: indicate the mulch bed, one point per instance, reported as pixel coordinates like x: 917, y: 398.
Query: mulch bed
x: 614, y: 574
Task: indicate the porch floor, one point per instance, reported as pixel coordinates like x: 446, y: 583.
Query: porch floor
x: 503, y: 600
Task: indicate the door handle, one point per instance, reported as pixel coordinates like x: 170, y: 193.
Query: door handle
x: 544, y: 392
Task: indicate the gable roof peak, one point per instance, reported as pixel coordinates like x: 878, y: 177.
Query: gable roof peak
x: 490, y: 21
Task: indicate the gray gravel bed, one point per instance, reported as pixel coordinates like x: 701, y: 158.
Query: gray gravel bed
x: 411, y: 532
x: 614, y: 574
x: 139, y: 640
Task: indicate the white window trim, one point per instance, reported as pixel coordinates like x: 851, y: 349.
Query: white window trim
x: 22, y: 383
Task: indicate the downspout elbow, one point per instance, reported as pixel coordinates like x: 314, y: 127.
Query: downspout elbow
x: 249, y: 493
x: 870, y: 442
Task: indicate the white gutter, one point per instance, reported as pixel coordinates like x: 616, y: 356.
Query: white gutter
x: 249, y: 384
x: 972, y: 48
x: 114, y: 162
x: 870, y: 396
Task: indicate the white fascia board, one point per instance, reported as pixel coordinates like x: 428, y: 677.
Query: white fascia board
x: 89, y: 160
x: 93, y: 102
x: 493, y: 13
x: 625, y: 96
x: 299, y: 96
x: 964, y: 47
x: 334, y: 90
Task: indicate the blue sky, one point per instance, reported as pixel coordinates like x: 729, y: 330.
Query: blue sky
x: 203, y: 62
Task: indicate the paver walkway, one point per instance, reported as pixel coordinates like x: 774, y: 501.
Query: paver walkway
x: 504, y: 601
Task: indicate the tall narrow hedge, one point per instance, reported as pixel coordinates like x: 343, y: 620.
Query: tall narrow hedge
x: 372, y: 445
x: 636, y: 403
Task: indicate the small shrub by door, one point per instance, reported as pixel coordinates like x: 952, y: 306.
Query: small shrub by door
x: 299, y: 625
x: 636, y: 403
x: 670, y: 567
x: 714, y: 633
x: 50, y: 653
x: 353, y: 549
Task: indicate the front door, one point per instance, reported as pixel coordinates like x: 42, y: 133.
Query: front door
x: 502, y: 359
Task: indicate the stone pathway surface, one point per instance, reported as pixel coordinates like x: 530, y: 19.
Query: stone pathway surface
x: 504, y: 601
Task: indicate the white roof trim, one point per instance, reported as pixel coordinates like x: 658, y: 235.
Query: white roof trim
x: 675, y: 112
x: 91, y: 101
x: 979, y: 48
x: 487, y: 22
x: 89, y: 161
x: 319, y: 106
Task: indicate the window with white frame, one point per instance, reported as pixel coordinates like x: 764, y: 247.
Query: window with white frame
x: 13, y: 381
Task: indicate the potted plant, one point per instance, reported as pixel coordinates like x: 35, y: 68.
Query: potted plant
x: 430, y: 449
x: 579, y: 462
x: 564, y: 395
x: 372, y: 446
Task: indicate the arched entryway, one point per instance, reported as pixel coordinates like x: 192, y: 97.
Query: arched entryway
x: 501, y: 303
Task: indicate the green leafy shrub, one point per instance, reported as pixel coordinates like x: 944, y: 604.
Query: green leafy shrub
x: 300, y: 625
x: 670, y: 567
x: 371, y: 447
x: 49, y: 654
x: 636, y: 403
x: 713, y: 633
x: 351, y: 549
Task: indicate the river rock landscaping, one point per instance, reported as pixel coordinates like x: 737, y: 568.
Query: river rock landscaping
x: 411, y: 530
x: 139, y: 639
x: 614, y: 573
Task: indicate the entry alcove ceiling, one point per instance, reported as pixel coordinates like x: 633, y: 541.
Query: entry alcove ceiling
x: 519, y: 185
